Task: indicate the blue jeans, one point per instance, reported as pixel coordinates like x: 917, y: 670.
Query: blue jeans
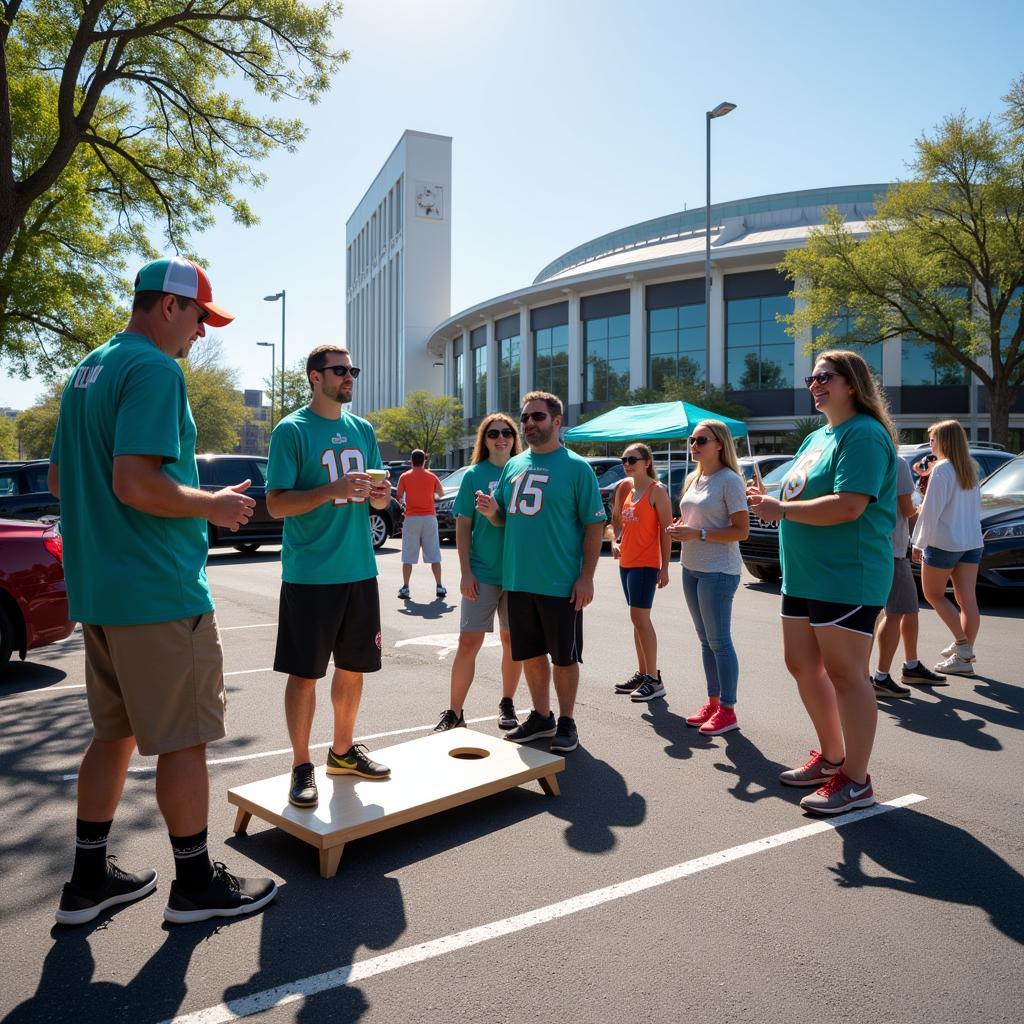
x: 709, y: 597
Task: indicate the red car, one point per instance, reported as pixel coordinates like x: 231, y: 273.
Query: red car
x: 33, y: 597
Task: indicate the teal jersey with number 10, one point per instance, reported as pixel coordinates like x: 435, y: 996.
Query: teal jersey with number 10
x: 331, y: 543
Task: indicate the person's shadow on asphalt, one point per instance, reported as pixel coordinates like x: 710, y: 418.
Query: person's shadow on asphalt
x: 420, y: 610
x: 682, y: 739
x: 923, y: 856
x: 757, y: 777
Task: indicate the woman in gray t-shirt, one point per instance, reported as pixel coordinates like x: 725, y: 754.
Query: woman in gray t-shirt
x: 713, y: 519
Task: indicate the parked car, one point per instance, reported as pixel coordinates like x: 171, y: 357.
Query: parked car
x: 988, y: 457
x: 33, y: 596
x: 24, y: 493
x: 761, y: 464
x: 217, y: 471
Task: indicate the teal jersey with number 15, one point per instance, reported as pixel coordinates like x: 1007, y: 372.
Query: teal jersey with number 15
x: 331, y: 543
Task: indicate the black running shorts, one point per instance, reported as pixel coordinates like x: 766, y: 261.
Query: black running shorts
x: 858, y: 618
x: 316, y: 620
x: 540, y: 625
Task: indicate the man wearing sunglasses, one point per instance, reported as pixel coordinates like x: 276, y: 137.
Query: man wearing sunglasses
x: 549, y: 503
x: 317, y: 481
x: 135, y: 547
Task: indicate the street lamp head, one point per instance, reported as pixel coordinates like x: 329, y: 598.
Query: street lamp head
x: 722, y: 109
x: 272, y: 298
x: 265, y: 344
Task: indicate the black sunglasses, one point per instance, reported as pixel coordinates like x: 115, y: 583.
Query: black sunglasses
x: 537, y: 417
x: 822, y: 378
x: 698, y: 442
x: 632, y: 460
x: 504, y: 432
x: 343, y: 371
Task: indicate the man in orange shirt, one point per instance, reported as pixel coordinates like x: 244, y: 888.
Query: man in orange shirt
x: 417, y: 489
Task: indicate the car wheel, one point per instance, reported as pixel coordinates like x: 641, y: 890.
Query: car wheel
x: 380, y: 529
x: 6, y: 636
x: 247, y: 548
x: 764, y: 573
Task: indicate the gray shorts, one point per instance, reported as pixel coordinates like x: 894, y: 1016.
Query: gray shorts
x: 420, y: 532
x: 478, y: 616
x: 903, y: 593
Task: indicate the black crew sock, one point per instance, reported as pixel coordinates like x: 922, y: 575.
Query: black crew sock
x: 90, y: 869
x: 192, y: 860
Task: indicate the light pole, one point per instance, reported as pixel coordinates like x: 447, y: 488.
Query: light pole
x: 284, y: 364
x: 273, y: 373
x: 720, y: 111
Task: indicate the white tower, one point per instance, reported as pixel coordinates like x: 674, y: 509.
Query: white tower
x: 398, y: 272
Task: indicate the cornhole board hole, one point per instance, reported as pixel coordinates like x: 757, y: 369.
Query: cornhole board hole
x: 431, y: 774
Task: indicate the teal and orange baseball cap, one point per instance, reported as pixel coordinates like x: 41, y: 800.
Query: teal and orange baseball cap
x: 178, y: 276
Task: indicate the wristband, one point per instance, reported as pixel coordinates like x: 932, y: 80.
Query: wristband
x: 782, y: 509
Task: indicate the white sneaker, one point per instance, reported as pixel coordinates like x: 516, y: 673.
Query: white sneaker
x: 949, y: 651
x: 964, y: 650
x: 955, y: 666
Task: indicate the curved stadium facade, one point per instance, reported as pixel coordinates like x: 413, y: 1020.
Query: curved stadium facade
x: 627, y: 309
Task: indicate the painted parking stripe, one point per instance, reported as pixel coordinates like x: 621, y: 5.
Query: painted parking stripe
x: 143, y: 769
x: 360, y: 970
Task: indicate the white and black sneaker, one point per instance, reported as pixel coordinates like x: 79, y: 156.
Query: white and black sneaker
x: 631, y: 683
x: 566, y: 737
x: 78, y: 905
x: 225, y: 895
x: 536, y: 727
x: 507, y: 717
x: 649, y: 689
x: 888, y: 687
x: 450, y: 720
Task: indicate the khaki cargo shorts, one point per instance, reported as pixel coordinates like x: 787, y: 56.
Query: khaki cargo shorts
x: 162, y: 683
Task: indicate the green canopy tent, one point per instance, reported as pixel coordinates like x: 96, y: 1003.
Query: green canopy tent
x: 658, y: 421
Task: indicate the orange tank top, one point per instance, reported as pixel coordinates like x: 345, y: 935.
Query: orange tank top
x: 640, y: 547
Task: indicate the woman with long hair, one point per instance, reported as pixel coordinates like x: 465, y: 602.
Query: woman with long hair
x: 641, y: 512
x: 480, y: 546
x: 836, y: 516
x: 948, y: 542
x: 712, y: 521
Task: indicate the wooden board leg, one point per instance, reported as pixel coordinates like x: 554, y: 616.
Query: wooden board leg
x: 242, y: 819
x: 329, y: 860
x: 550, y: 785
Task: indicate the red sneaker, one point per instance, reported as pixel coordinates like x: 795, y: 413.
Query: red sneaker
x: 703, y: 715
x: 723, y: 720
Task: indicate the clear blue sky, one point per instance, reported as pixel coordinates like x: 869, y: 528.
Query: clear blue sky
x: 574, y: 117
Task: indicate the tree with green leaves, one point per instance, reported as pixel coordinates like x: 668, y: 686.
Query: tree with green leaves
x: 37, y: 425
x: 430, y: 422
x: 803, y: 427
x: 118, y: 118
x: 8, y: 438
x: 296, y: 389
x: 954, y: 231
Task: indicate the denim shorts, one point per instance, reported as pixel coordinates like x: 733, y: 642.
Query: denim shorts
x: 639, y: 585
x: 939, y: 558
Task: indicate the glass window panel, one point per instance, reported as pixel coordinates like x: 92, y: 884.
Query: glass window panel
x: 618, y: 348
x: 662, y: 370
x: 774, y: 333
x: 692, y: 340
x: 690, y: 368
x: 663, y: 343
x: 743, y: 335
x: 560, y: 338
x: 742, y: 369
x: 619, y: 325
x: 661, y: 319
x: 739, y: 311
x: 776, y: 366
x: 596, y: 329
x: 691, y: 316
x: 772, y: 306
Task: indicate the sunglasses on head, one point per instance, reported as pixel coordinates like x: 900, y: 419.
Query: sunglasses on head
x: 503, y: 432
x: 343, y: 371
x: 537, y: 417
x: 698, y: 441
x: 632, y: 460
x: 821, y: 378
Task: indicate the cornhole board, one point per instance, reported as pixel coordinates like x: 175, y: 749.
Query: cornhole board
x: 428, y: 775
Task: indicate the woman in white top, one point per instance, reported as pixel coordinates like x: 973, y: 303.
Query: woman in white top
x: 948, y: 542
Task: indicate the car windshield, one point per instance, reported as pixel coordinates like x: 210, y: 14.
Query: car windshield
x: 452, y: 481
x: 1006, y: 481
x: 777, y: 475
x: 610, y: 475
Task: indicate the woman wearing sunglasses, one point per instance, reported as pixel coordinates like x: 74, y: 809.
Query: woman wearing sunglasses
x: 712, y: 521
x: 641, y: 513
x: 481, y: 546
x: 836, y: 516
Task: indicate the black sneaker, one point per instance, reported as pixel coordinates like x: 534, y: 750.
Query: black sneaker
x: 536, y: 727
x: 630, y: 684
x: 440, y: 591
x: 922, y: 675
x: 450, y: 720
x: 303, y: 791
x: 649, y: 689
x: 888, y: 687
x: 507, y: 717
x: 566, y: 738
x: 225, y: 895
x: 78, y: 905
x: 355, y: 761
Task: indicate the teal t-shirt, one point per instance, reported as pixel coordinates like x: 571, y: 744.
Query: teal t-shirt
x: 849, y: 563
x: 124, y: 567
x: 488, y: 542
x: 331, y: 543
x: 548, y: 500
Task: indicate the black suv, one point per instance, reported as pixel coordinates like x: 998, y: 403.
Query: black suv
x: 24, y: 493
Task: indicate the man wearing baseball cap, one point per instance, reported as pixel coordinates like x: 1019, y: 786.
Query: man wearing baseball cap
x: 133, y: 521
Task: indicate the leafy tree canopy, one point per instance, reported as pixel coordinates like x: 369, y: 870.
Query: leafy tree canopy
x: 430, y: 422
x: 8, y: 438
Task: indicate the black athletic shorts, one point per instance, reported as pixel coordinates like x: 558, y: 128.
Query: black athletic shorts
x: 858, y: 618
x: 316, y: 620
x: 540, y: 625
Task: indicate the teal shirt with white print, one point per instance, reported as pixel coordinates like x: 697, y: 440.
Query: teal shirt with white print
x: 847, y: 563
x: 331, y: 543
x: 487, y: 542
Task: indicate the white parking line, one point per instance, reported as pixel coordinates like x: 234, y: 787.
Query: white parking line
x: 143, y: 769
x: 295, y: 991
x: 258, y: 625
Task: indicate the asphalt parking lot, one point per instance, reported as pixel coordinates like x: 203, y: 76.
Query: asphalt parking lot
x: 672, y: 879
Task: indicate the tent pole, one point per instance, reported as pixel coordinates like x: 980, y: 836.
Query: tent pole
x: 749, y: 452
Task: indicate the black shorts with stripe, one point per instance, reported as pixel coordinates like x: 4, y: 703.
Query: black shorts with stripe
x: 539, y: 625
x: 858, y: 618
x: 316, y: 620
